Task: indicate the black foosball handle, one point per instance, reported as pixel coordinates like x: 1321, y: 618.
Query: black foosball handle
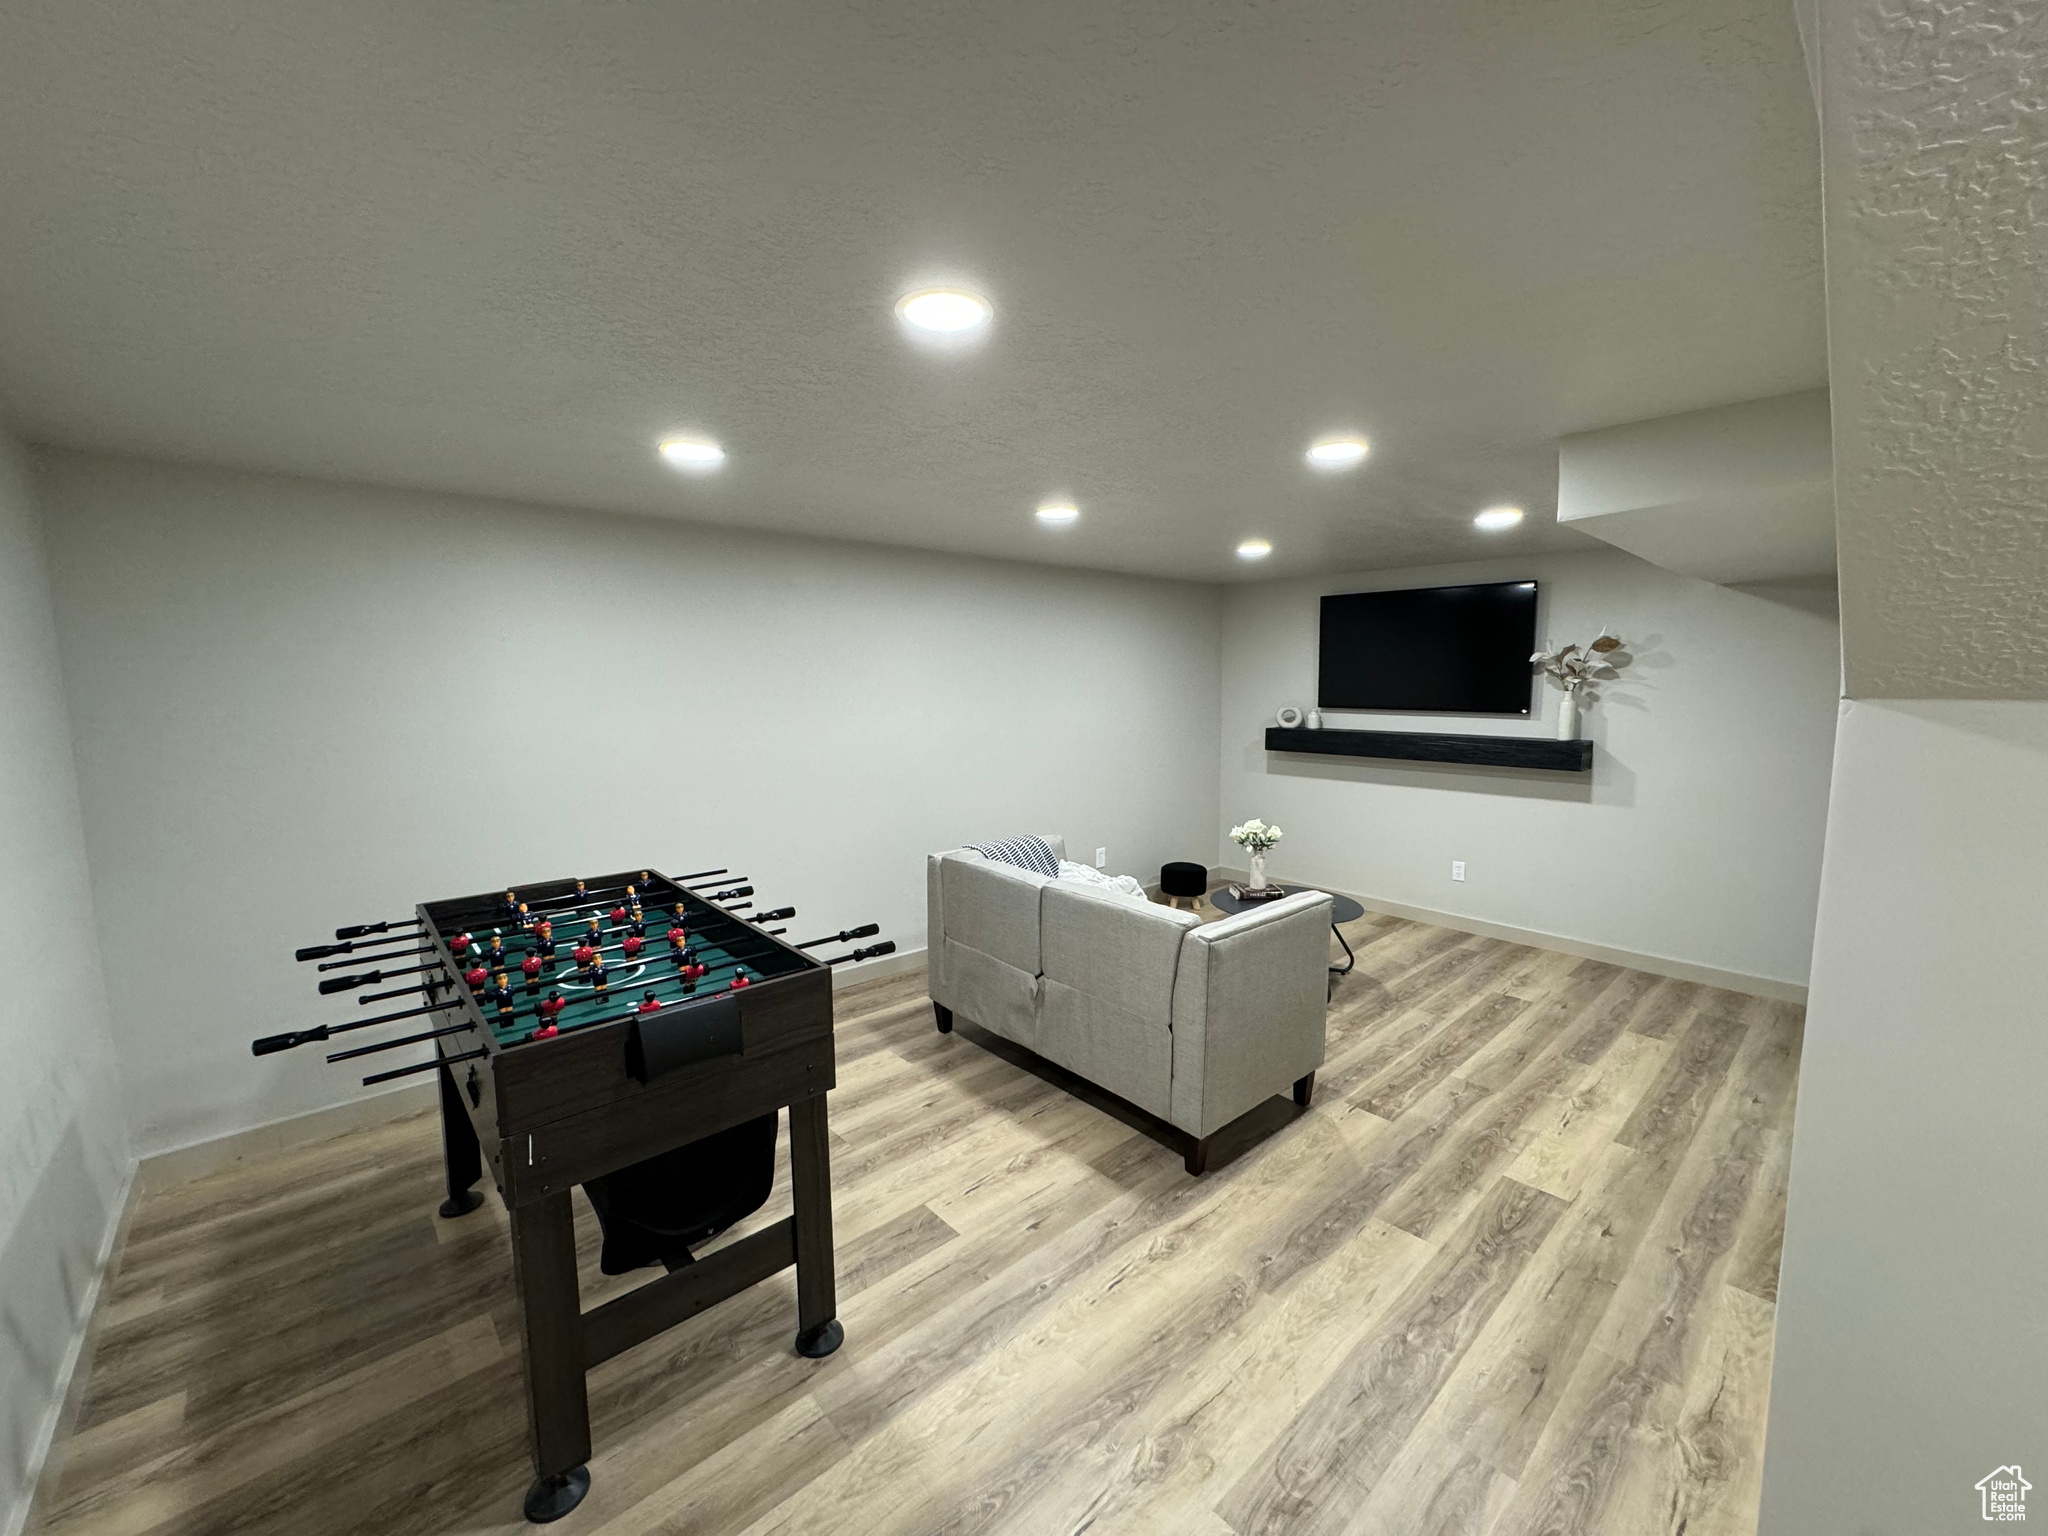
x: 731, y: 895
x: 358, y: 930
x: 367, y: 978
x: 872, y: 952
x: 846, y: 935
x: 773, y: 917
x: 285, y: 1042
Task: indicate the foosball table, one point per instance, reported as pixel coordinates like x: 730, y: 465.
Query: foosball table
x: 636, y: 1035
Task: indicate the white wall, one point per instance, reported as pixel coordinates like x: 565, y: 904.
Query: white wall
x: 300, y: 704
x: 1912, y: 1352
x: 1695, y: 838
x: 63, y: 1153
x: 1910, y: 1331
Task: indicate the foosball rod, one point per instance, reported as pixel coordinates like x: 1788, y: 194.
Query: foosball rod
x: 604, y: 949
x: 845, y: 935
x: 389, y: 954
x: 335, y: 984
x: 322, y: 951
x: 495, y: 904
x: 632, y: 1013
x: 497, y: 919
x: 510, y: 1018
x: 392, y: 1045
x: 886, y: 947
x: 425, y: 1066
x: 872, y: 952
x: 285, y: 1042
x: 507, y: 963
x: 360, y: 930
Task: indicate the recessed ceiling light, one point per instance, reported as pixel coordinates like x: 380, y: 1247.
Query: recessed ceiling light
x: 1338, y: 452
x: 947, y: 311
x: 693, y: 453
x: 1254, y: 549
x: 1493, y: 519
x: 1058, y: 512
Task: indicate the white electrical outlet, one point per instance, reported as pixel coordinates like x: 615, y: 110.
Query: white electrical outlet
x: 1457, y: 869
x: 1102, y: 858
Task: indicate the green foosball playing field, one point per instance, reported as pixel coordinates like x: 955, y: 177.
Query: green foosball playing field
x: 568, y: 989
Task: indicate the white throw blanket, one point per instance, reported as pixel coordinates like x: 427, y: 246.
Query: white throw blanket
x: 1109, y: 885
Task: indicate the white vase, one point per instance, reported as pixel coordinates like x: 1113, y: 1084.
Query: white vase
x: 1258, y: 880
x: 1568, y: 716
x: 1315, y: 719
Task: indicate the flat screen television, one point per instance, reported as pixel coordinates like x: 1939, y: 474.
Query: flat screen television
x: 1439, y: 650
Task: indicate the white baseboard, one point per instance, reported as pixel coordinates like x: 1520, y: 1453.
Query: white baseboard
x: 1656, y: 965
x: 875, y: 970
x: 68, y: 1401
x: 162, y: 1170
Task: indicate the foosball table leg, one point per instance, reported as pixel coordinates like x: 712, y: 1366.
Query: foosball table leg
x: 810, y: 1177
x: 551, y: 1348
x: 459, y: 1150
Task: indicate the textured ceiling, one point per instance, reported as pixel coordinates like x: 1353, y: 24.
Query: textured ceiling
x: 504, y: 247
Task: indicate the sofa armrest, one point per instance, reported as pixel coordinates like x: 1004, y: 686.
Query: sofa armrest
x: 934, y: 931
x: 1249, y: 1002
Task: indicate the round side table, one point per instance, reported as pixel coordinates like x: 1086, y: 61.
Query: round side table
x: 1342, y: 910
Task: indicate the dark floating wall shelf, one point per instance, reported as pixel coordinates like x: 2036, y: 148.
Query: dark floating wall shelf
x: 1425, y: 747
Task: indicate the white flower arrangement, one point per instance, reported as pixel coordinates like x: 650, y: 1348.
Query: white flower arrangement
x: 1255, y: 835
x: 1575, y: 666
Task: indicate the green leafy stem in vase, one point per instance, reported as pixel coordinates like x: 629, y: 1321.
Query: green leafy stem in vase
x: 1574, y: 666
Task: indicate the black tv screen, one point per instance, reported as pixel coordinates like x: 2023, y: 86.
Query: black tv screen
x: 1429, y: 649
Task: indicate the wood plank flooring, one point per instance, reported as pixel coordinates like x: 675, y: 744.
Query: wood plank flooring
x: 1513, y: 1272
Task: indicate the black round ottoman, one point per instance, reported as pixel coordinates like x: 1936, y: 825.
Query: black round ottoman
x: 1183, y: 882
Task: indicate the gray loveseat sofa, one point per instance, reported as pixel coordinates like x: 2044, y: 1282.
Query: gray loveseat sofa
x: 1194, y: 1022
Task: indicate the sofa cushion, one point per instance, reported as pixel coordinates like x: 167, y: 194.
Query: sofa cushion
x: 984, y: 991
x: 1116, y: 950
x: 1130, y: 1056
x: 992, y: 907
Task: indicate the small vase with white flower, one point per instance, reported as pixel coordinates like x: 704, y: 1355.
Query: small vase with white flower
x: 1255, y: 837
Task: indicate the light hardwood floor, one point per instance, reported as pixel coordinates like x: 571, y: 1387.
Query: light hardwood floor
x: 1512, y: 1272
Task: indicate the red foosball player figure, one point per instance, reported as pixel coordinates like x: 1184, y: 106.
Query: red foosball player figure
x: 544, y: 929
x: 678, y: 935
x: 649, y: 1003
x: 740, y: 978
x: 695, y: 970
x: 550, y: 1009
x: 459, y: 945
x: 530, y: 969
x: 600, y: 980
x: 630, y: 946
x: 476, y: 976
x: 618, y: 916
